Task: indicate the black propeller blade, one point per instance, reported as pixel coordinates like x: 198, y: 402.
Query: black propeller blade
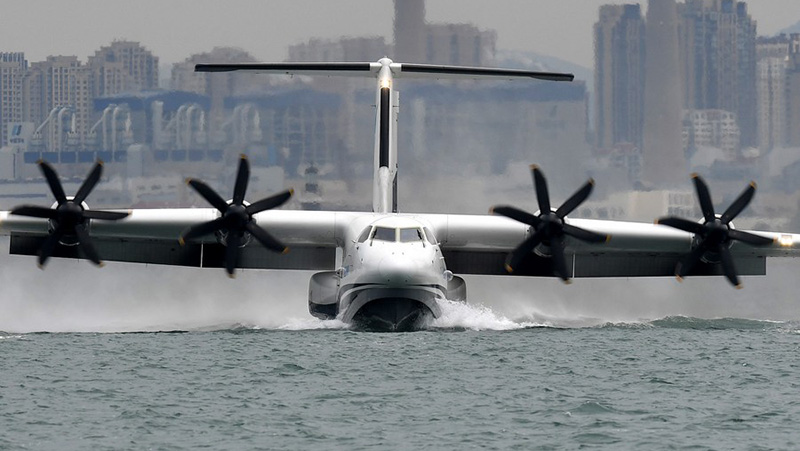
x: 549, y: 227
x: 714, y: 236
x: 68, y: 220
x: 236, y: 220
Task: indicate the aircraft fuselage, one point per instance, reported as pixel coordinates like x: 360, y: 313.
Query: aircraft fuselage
x: 392, y: 276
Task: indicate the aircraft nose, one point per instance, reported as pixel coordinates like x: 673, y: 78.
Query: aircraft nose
x: 401, y: 269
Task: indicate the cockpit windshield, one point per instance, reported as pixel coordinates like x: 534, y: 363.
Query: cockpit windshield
x: 409, y: 235
x: 364, y: 235
x: 403, y: 235
x: 384, y: 234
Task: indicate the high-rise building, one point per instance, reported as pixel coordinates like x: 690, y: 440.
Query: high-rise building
x: 793, y: 92
x: 719, y: 60
x: 57, y: 96
x: 459, y: 44
x: 664, y: 163
x: 12, y: 69
x: 619, y: 41
x: 409, y: 31
x: 416, y: 41
x: 711, y: 128
x: 772, y: 91
x: 140, y: 67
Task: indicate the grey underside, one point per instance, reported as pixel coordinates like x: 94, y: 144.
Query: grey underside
x: 192, y: 254
x: 324, y: 258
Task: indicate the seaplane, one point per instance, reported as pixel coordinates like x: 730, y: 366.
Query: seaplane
x: 388, y: 269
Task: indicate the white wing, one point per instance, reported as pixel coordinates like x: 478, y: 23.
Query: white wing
x: 476, y: 244
x: 151, y: 236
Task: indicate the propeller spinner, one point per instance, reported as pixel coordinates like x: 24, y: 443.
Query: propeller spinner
x: 236, y: 218
x: 715, y: 234
x: 69, y: 218
x: 549, y: 227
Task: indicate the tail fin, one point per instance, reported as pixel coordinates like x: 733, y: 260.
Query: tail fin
x: 384, y: 192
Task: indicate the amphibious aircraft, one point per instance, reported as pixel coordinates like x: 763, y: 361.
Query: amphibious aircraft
x: 388, y: 269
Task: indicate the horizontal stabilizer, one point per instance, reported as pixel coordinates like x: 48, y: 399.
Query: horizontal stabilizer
x: 294, y: 68
x: 400, y: 70
x: 440, y: 71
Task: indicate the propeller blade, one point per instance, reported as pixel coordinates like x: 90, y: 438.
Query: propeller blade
x: 263, y: 237
x: 242, y: 177
x: 269, y: 203
x: 576, y: 199
x: 85, y: 243
x: 739, y: 204
x: 727, y: 266
x: 516, y: 214
x: 584, y: 235
x: 209, y: 195
x: 202, y: 229
x: 749, y: 238
x: 49, y: 246
x: 559, y: 259
x: 105, y: 215
x: 542, y: 195
x: 685, y: 266
x: 520, y: 252
x: 89, y: 184
x: 682, y: 224
x: 53, y: 182
x: 35, y: 211
x: 706, y: 206
x: 232, y: 252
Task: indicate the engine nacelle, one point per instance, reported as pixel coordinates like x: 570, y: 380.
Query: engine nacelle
x: 66, y: 239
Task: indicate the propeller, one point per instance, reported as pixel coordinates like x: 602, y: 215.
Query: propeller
x: 236, y: 220
x: 715, y: 234
x: 69, y: 218
x: 549, y: 227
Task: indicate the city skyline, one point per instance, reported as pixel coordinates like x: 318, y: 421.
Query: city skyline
x: 179, y: 29
x: 106, y: 113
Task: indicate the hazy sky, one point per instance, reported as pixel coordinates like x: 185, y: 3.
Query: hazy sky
x: 174, y: 29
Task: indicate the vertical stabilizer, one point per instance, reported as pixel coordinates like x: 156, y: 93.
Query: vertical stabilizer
x: 384, y: 191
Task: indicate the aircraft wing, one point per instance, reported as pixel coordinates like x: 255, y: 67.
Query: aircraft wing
x: 471, y: 244
x: 151, y: 236
x: 480, y: 244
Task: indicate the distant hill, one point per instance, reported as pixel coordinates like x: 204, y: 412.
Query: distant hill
x: 793, y: 29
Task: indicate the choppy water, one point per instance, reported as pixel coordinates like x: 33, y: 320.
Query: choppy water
x: 475, y: 380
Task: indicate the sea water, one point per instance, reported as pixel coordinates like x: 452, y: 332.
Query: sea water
x: 474, y: 380
x: 150, y: 357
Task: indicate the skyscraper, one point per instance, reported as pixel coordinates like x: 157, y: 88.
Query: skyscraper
x: 12, y: 69
x: 664, y: 161
x: 719, y: 60
x: 409, y: 31
x: 793, y: 92
x: 619, y: 75
x: 416, y: 41
x: 772, y: 91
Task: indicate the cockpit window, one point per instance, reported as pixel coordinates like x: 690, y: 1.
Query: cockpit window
x: 409, y: 235
x: 364, y: 235
x: 384, y: 234
x: 429, y: 236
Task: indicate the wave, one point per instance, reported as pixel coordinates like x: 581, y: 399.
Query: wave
x: 462, y: 316
x: 693, y: 323
x: 456, y: 316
